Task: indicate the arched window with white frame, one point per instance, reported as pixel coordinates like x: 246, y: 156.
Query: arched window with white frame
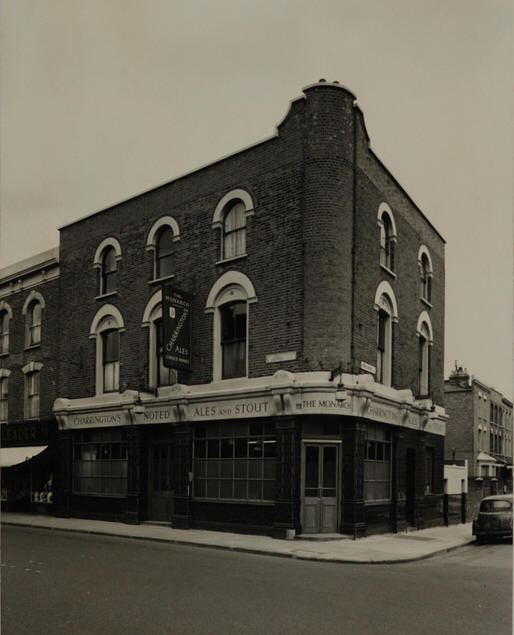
x: 160, y: 241
x: 105, y: 330
x: 158, y: 373
x: 229, y: 301
x: 388, y: 237
x: 107, y: 257
x: 5, y: 325
x: 426, y: 273
x: 230, y: 216
x: 387, y: 313
x: 425, y: 341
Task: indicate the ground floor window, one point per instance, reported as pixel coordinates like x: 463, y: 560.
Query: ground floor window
x: 235, y: 461
x: 377, y: 464
x: 100, y: 463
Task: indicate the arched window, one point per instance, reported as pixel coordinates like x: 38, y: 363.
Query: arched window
x: 229, y: 300
x: 230, y: 215
x: 158, y: 373
x: 425, y: 341
x: 234, y: 230
x: 163, y: 233
x: 5, y: 320
x: 105, y: 329
x: 425, y: 269
x: 34, y: 315
x: 164, y: 252
x: 111, y: 360
x: 108, y: 271
x: 387, y: 313
x: 107, y: 256
x: 387, y: 236
x: 233, y: 339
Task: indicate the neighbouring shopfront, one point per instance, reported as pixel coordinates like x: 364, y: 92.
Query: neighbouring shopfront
x: 283, y: 456
x: 28, y: 460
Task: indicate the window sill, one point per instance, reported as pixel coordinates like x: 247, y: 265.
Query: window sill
x: 387, y: 270
x: 163, y: 279
x: 106, y: 295
x: 224, y: 260
x: 426, y: 302
x: 385, y: 501
x: 4, y: 354
x: 33, y: 346
x: 232, y: 501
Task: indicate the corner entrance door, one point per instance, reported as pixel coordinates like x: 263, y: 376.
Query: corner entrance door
x: 320, y: 491
x: 160, y: 481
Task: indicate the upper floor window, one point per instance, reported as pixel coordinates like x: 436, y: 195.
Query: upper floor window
x: 4, y: 393
x: 164, y: 253
x: 158, y: 373
x: 107, y: 256
x: 229, y: 301
x: 105, y: 329
x: 34, y: 315
x: 387, y: 313
x: 163, y: 233
x: 108, y: 271
x: 111, y: 360
x: 233, y: 339
x: 32, y: 389
x: 425, y: 340
x: 387, y: 237
x: 5, y: 320
x: 230, y: 215
x: 234, y: 231
x: 425, y: 270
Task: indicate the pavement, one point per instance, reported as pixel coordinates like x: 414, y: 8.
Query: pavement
x: 379, y: 549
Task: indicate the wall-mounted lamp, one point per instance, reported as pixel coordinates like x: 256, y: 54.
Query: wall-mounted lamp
x: 341, y: 395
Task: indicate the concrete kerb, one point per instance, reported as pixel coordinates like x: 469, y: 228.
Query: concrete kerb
x: 315, y: 557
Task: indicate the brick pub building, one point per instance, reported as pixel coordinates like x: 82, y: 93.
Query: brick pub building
x: 312, y: 403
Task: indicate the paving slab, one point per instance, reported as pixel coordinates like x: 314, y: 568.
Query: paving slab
x: 377, y: 549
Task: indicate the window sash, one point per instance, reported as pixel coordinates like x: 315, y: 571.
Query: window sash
x: 164, y: 253
x: 234, y: 231
x: 4, y: 402
x: 32, y: 391
x: 108, y: 271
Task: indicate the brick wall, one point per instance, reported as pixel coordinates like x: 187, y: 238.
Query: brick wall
x: 46, y: 353
x: 316, y: 193
x: 459, y: 427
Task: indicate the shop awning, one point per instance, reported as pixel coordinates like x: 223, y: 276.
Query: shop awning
x: 15, y: 456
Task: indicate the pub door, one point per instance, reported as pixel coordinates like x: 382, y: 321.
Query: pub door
x: 161, y: 490
x: 320, y: 488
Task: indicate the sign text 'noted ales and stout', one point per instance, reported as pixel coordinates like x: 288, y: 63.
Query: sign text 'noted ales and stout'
x: 177, y: 314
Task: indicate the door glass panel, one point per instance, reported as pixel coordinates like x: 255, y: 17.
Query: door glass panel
x: 329, y: 470
x: 311, y: 470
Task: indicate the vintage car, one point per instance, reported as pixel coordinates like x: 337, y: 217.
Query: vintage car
x: 494, y: 518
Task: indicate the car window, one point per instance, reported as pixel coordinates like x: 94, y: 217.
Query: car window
x: 495, y: 506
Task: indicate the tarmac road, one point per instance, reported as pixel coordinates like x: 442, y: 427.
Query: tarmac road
x: 59, y: 582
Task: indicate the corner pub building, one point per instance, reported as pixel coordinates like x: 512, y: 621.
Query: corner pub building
x: 312, y: 402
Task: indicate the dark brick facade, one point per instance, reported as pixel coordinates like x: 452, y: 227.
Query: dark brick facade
x: 313, y: 258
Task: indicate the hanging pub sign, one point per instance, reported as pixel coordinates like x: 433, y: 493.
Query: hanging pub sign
x: 177, y: 313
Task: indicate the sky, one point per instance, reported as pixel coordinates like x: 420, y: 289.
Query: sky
x: 102, y: 100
